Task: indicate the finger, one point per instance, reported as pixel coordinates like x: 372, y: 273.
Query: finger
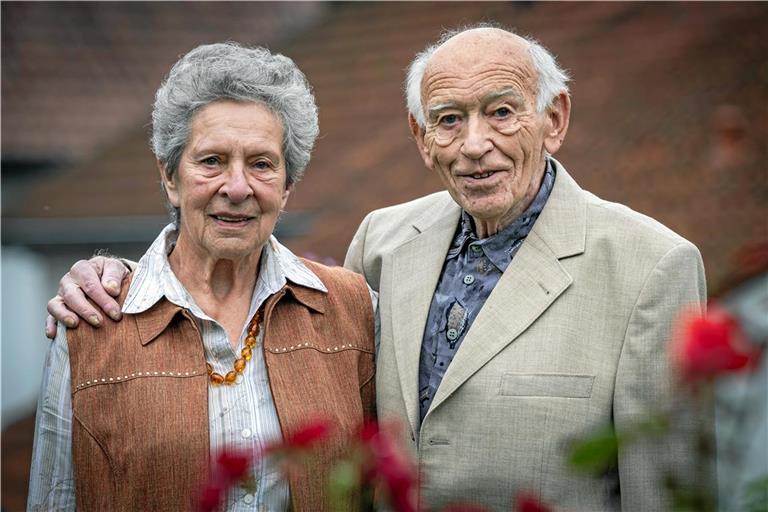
x: 50, y: 327
x: 87, y: 276
x: 73, y: 298
x: 114, y: 271
x: 59, y: 311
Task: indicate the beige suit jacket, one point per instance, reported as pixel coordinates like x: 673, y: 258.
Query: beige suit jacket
x: 573, y: 337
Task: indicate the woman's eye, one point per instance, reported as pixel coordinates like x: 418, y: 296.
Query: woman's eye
x: 211, y: 160
x: 262, y: 165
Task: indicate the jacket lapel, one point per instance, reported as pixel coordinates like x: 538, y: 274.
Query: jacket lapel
x: 416, y: 267
x: 531, y: 283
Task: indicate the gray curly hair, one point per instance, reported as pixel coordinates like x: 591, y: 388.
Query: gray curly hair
x: 552, y: 78
x: 228, y: 71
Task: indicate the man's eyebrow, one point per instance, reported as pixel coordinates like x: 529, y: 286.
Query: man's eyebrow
x: 495, y: 95
x: 436, y: 109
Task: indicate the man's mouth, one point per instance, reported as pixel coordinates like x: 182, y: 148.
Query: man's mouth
x: 477, y: 176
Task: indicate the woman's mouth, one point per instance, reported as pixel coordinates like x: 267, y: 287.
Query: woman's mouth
x: 231, y: 219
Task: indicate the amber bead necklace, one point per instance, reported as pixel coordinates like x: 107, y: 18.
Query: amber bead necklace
x: 245, y: 355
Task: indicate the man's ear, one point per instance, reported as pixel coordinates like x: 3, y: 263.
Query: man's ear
x: 418, y: 135
x: 169, y: 185
x: 558, y: 116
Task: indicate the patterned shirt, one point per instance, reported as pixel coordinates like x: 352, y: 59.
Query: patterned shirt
x: 471, y: 270
x: 241, y: 416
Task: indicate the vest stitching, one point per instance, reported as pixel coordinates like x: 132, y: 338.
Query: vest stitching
x: 133, y: 376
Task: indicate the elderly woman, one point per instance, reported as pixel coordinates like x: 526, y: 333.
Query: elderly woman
x: 228, y: 339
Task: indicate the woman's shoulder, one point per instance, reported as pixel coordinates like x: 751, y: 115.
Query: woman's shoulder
x: 335, y: 275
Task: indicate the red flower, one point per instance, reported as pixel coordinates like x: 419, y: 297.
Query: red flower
x: 465, y: 507
x: 389, y: 466
x: 308, y: 435
x: 231, y: 466
x: 210, y: 498
x: 302, y: 439
x: 705, y: 347
x: 234, y: 464
x: 525, y: 502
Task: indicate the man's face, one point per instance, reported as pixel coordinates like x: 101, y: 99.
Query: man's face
x: 483, y: 135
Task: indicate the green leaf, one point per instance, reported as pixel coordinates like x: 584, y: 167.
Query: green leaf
x: 756, y: 495
x: 596, y: 453
x: 343, y: 480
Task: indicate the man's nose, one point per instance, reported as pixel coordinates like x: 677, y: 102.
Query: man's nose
x: 477, y: 141
x: 236, y: 186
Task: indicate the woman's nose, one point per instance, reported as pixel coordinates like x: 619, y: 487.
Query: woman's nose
x: 236, y: 187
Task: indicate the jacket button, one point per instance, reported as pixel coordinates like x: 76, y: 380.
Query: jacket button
x: 452, y: 334
x: 469, y: 279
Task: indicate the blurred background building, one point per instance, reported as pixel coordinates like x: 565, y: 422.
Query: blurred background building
x: 669, y: 117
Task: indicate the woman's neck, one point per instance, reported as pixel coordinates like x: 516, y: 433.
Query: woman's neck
x: 222, y: 288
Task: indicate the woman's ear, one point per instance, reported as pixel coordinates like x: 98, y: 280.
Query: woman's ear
x: 558, y: 116
x: 286, y: 193
x: 169, y: 185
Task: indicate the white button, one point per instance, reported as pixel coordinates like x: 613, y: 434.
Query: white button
x: 476, y: 249
x: 248, y: 499
x: 469, y: 279
x: 246, y: 433
x: 452, y: 334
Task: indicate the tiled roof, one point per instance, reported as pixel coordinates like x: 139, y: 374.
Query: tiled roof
x: 669, y: 116
x: 78, y: 75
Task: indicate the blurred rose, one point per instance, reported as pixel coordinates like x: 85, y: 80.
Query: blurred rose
x: 465, y: 507
x: 309, y: 434
x: 210, y: 498
x: 388, y: 466
x: 525, y: 502
x: 233, y: 464
x: 707, y: 346
x: 302, y: 439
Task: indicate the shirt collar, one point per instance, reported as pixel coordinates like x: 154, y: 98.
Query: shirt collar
x: 501, y: 247
x: 154, y: 279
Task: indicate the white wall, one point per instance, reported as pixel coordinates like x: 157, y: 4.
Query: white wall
x: 24, y: 345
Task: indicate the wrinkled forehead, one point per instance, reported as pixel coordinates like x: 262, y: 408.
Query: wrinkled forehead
x: 478, y: 62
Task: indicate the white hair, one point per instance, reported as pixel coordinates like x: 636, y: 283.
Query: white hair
x: 552, y: 78
x: 228, y: 71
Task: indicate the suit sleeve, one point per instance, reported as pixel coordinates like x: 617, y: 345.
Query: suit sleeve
x: 354, y: 260
x: 644, y: 386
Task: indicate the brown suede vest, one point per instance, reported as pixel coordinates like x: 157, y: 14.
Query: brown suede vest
x: 140, y: 404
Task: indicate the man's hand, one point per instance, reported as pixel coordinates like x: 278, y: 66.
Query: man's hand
x: 99, y: 278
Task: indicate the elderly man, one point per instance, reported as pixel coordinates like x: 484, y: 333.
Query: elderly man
x: 517, y: 310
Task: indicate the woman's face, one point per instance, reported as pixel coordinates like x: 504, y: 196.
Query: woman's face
x: 231, y: 181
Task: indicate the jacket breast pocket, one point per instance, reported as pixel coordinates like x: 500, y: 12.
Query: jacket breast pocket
x: 554, y: 385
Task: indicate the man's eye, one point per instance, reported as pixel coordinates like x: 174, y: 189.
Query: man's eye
x: 502, y: 112
x: 449, y: 119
